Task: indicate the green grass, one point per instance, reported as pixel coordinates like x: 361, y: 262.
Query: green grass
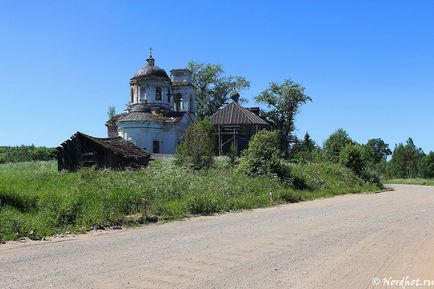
x: 413, y: 181
x: 36, y: 200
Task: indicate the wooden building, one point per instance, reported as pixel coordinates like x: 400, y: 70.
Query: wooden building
x: 82, y: 150
x: 234, y: 125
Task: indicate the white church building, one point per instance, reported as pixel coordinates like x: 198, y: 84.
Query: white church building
x: 160, y: 110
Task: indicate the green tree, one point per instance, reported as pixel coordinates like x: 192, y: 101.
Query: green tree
x: 427, y: 165
x: 304, y: 150
x: 25, y: 154
x: 212, y: 87
x: 284, y: 101
x: 405, y: 162
x: 377, y: 150
x: 196, y: 149
x: 263, y: 156
x: 111, y: 112
x: 308, y: 143
x: 335, y: 143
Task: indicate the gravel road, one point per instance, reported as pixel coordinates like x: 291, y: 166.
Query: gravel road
x: 342, y: 242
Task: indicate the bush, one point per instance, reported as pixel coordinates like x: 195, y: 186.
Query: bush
x: 263, y: 156
x: 352, y: 157
x: 197, y: 146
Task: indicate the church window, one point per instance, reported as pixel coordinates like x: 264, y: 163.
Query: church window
x: 178, y: 101
x: 132, y: 95
x: 158, y: 93
x: 142, y: 93
x: 168, y: 95
x: 156, y: 147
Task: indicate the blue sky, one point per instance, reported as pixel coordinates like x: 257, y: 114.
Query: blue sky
x: 368, y: 65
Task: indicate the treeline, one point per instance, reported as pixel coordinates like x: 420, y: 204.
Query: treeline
x: 409, y: 161
x: 370, y: 160
x: 13, y: 154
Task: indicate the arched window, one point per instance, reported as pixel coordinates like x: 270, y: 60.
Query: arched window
x: 158, y: 93
x: 132, y: 95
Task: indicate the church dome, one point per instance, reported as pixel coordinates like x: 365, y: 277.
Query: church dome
x: 151, y: 71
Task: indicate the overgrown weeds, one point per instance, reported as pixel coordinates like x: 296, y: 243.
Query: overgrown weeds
x: 37, y: 201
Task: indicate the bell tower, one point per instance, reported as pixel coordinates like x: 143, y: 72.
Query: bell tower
x: 183, y: 89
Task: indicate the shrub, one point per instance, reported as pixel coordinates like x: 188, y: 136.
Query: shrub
x: 197, y: 146
x: 263, y: 156
x: 352, y: 157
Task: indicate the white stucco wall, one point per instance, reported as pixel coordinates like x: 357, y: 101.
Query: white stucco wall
x: 144, y: 134
x: 148, y: 90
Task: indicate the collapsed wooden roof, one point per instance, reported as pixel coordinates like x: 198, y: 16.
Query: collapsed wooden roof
x: 235, y: 114
x: 117, y: 145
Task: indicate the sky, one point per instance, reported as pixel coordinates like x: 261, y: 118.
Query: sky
x: 367, y: 65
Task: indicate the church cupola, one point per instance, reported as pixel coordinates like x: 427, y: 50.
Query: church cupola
x: 151, y: 85
x: 235, y: 96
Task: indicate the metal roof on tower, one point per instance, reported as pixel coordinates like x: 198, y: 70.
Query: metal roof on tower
x: 151, y: 71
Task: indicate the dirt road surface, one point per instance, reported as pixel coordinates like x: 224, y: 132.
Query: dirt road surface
x: 342, y: 242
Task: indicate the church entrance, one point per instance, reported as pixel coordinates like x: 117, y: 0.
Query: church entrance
x: 156, y: 147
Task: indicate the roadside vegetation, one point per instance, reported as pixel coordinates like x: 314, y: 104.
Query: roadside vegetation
x: 38, y: 201
x: 411, y: 181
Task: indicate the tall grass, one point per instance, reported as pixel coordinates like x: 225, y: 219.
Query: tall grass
x: 411, y: 181
x: 37, y: 201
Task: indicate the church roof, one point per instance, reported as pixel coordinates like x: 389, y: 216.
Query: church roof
x: 235, y: 114
x: 151, y: 71
x: 145, y: 113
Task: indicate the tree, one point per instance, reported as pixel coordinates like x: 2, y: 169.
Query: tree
x: 284, y: 101
x: 111, y: 112
x: 212, y: 87
x: 196, y: 149
x: 427, y: 165
x: 303, y: 150
x: 377, y: 150
x: 335, y: 143
x: 405, y: 162
x: 308, y: 143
